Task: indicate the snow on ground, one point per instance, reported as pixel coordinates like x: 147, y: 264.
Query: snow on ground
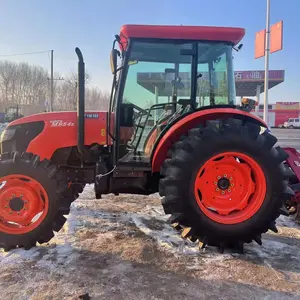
x: 123, y: 248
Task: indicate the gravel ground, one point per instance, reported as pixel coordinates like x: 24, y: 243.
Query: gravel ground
x: 122, y: 248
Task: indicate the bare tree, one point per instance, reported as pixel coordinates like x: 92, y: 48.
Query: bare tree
x: 22, y: 84
x: 7, y: 82
x: 73, y: 77
x: 28, y: 86
x: 66, y: 92
x: 96, y: 99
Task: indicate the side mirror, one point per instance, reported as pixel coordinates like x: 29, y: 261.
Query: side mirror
x: 238, y: 48
x: 113, y: 60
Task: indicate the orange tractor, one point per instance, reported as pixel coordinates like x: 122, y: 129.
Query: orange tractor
x: 172, y: 127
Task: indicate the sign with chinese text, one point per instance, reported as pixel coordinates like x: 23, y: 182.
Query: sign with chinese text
x: 258, y: 75
x: 288, y: 105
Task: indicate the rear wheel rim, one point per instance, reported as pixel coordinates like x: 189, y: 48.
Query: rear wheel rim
x: 230, y: 187
x: 24, y: 204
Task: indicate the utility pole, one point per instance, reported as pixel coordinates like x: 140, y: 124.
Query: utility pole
x: 257, y: 99
x: 51, y: 84
x: 267, y: 52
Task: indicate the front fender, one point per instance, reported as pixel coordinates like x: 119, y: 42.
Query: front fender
x: 173, y: 133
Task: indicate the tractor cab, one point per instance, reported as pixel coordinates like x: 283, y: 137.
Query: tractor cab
x: 162, y: 73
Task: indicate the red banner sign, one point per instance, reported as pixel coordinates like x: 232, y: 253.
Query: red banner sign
x: 288, y: 105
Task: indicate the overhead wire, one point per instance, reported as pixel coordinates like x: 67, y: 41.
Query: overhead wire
x: 25, y: 53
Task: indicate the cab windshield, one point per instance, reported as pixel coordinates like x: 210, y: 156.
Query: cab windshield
x: 160, y: 72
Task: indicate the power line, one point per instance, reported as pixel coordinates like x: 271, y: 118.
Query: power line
x: 26, y: 53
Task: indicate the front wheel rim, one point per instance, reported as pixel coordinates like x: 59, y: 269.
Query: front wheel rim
x: 24, y: 204
x: 230, y: 187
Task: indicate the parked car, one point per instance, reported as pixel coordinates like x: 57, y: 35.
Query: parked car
x: 292, y: 123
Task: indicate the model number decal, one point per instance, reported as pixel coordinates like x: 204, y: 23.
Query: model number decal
x: 61, y: 123
x: 91, y: 116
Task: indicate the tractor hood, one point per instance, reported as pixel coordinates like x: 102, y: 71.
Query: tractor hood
x: 59, y: 119
x: 45, y: 133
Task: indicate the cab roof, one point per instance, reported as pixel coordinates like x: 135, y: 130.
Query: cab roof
x: 208, y: 33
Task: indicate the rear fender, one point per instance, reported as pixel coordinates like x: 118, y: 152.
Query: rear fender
x: 173, y: 133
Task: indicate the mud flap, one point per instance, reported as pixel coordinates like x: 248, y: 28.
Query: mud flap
x: 293, y: 162
x: 296, y: 199
x: 297, y: 218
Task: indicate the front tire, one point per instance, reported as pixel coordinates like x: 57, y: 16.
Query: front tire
x: 30, y: 200
x: 224, y: 184
x: 69, y: 196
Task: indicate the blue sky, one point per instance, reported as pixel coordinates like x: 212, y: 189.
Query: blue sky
x: 61, y: 25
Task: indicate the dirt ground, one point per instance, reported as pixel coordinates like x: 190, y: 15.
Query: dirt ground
x: 122, y: 248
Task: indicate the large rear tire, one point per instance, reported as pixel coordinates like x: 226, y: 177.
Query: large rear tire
x: 31, y: 206
x: 224, y: 184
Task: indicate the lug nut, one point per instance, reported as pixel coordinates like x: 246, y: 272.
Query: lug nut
x: 217, y: 189
x: 6, y: 206
x: 10, y: 212
x: 225, y: 175
x: 21, y: 196
x: 229, y: 190
x: 13, y: 195
x: 18, y: 213
x: 230, y: 178
x: 223, y: 192
x: 25, y: 201
x: 232, y: 184
x: 215, y: 183
x: 219, y: 177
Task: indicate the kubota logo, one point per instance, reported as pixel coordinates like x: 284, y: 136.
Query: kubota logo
x: 61, y: 123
